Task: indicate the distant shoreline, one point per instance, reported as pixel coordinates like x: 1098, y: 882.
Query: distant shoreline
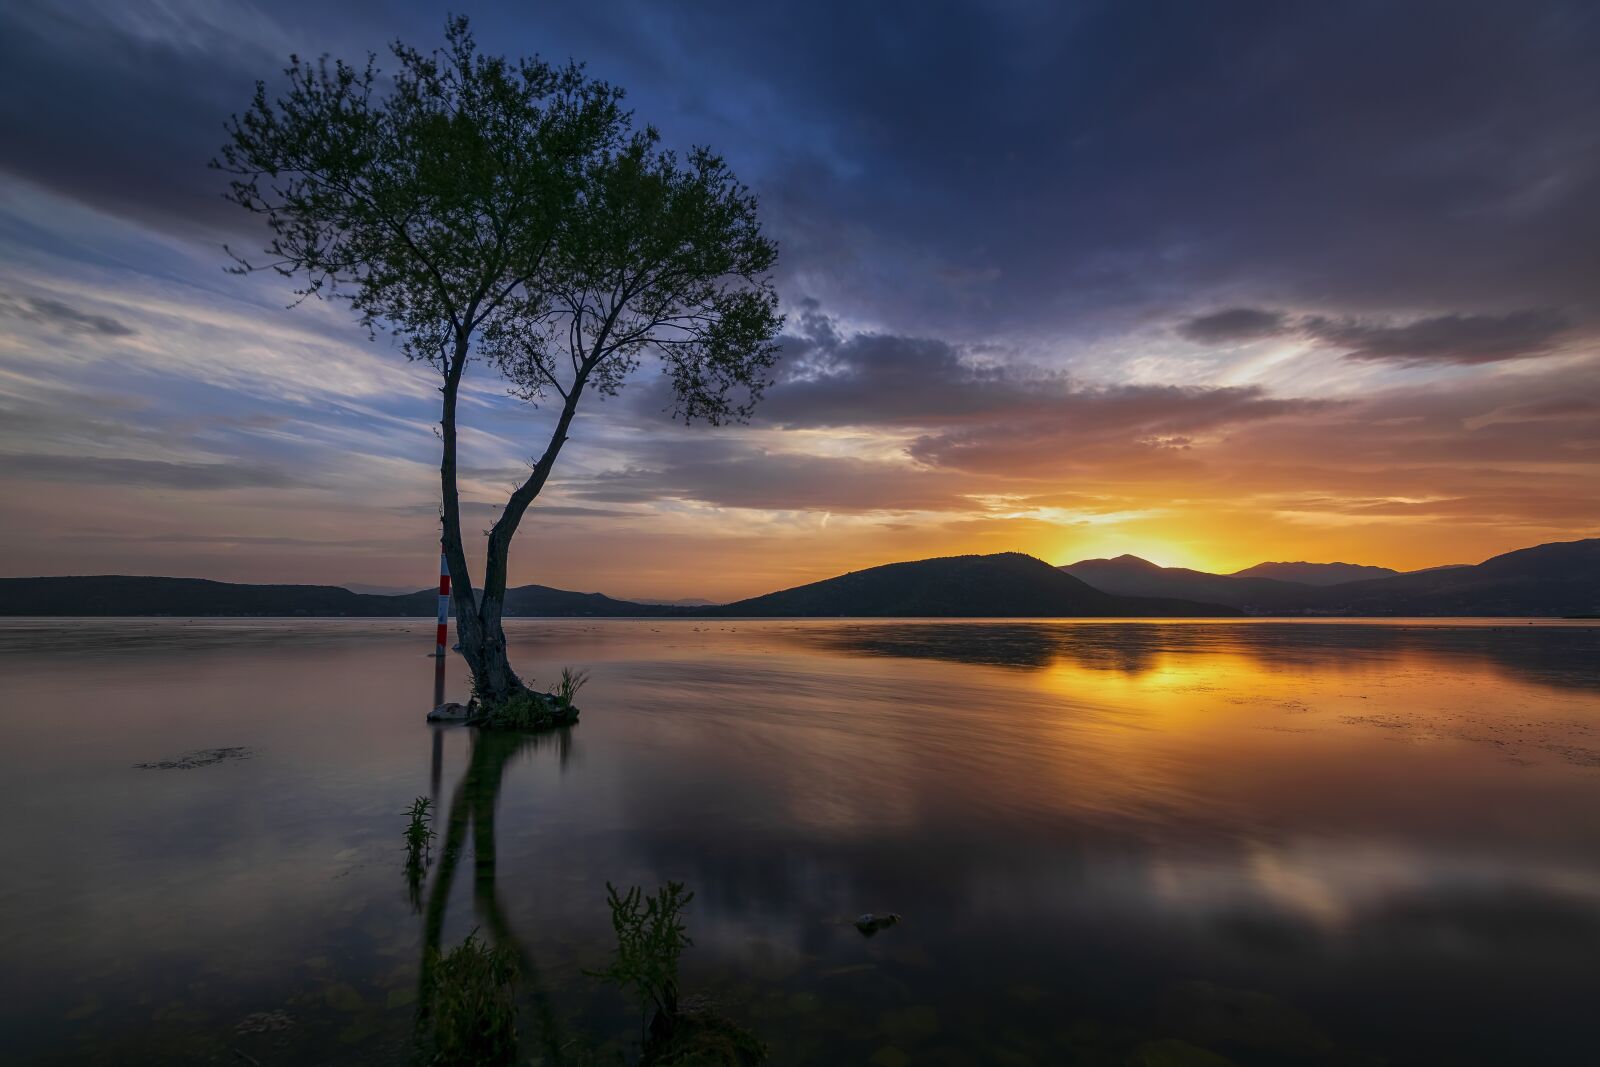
x: 709, y: 619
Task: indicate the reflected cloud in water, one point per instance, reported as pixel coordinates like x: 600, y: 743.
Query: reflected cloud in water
x: 1375, y: 841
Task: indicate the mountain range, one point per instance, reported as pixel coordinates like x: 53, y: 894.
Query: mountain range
x: 1315, y: 573
x: 1003, y: 585
x: 116, y: 594
x: 1561, y: 579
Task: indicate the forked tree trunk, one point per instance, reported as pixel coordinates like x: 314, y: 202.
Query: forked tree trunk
x: 478, y: 616
x: 482, y: 641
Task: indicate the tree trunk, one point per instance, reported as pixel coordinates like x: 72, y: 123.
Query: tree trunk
x: 493, y: 680
x: 478, y: 618
x: 483, y: 644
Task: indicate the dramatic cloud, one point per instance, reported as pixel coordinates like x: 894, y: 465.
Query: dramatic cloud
x: 826, y: 379
x: 1448, y: 338
x: 993, y: 417
x: 121, y: 105
x: 1458, y: 339
x: 1233, y: 325
x: 1077, y: 280
x: 1088, y: 163
x: 721, y: 477
x: 1130, y: 425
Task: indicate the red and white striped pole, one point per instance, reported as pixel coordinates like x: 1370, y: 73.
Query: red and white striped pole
x: 442, y: 635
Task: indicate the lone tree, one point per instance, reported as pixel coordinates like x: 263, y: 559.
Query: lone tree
x: 508, y: 214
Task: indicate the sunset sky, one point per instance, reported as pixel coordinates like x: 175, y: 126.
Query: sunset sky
x: 1212, y: 283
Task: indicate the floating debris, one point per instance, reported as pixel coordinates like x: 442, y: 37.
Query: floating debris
x: 204, y: 757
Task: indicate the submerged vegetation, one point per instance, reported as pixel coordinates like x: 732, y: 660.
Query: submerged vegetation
x: 651, y: 936
x: 419, y: 833
x: 468, y: 997
x: 419, y: 837
x: 524, y: 710
x: 472, y: 1005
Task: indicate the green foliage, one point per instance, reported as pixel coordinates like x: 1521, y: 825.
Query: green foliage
x: 507, y: 212
x: 429, y: 196
x: 526, y: 710
x: 650, y: 938
x: 463, y: 197
x: 567, y: 688
x: 472, y: 1005
x: 419, y: 833
x: 419, y: 837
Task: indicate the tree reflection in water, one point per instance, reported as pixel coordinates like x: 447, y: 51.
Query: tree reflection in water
x: 472, y: 811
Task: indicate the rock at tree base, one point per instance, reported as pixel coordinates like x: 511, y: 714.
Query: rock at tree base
x: 448, y: 712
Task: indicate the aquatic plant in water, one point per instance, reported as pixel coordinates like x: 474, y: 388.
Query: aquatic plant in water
x: 528, y: 710
x: 472, y: 1004
x: 419, y: 833
x: 567, y: 688
x: 650, y: 938
x: 419, y: 837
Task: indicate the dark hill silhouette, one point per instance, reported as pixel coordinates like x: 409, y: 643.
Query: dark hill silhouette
x: 1315, y: 573
x: 1555, y: 579
x: 116, y: 594
x: 1562, y: 578
x: 1132, y: 576
x: 1004, y: 585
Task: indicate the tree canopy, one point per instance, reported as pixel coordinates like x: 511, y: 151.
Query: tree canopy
x: 508, y: 212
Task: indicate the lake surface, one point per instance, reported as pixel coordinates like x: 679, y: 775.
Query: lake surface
x: 1111, y: 842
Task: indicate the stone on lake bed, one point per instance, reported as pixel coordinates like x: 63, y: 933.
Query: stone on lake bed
x: 870, y: 923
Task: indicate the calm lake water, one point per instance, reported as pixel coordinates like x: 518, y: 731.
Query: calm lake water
x: 1288, y: 843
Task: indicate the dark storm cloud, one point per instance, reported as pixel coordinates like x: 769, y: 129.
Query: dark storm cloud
x: 63, y: 317
x: 881, y: 380
x: 726, y: 475
x: 1038, y: 165
x: 974, y: 168
x: 1234, y: 325
x: 143, y: 473
x: 122, y: 106
x: 1464, y: 339
x: 1460, y: 339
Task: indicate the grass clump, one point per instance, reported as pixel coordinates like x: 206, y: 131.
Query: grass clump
x: 419, y: 837
x: 528, y: 710
x: 567, y: 688
x: 473, y: 1006
x: 419, y: 833
x: 650, y: 938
